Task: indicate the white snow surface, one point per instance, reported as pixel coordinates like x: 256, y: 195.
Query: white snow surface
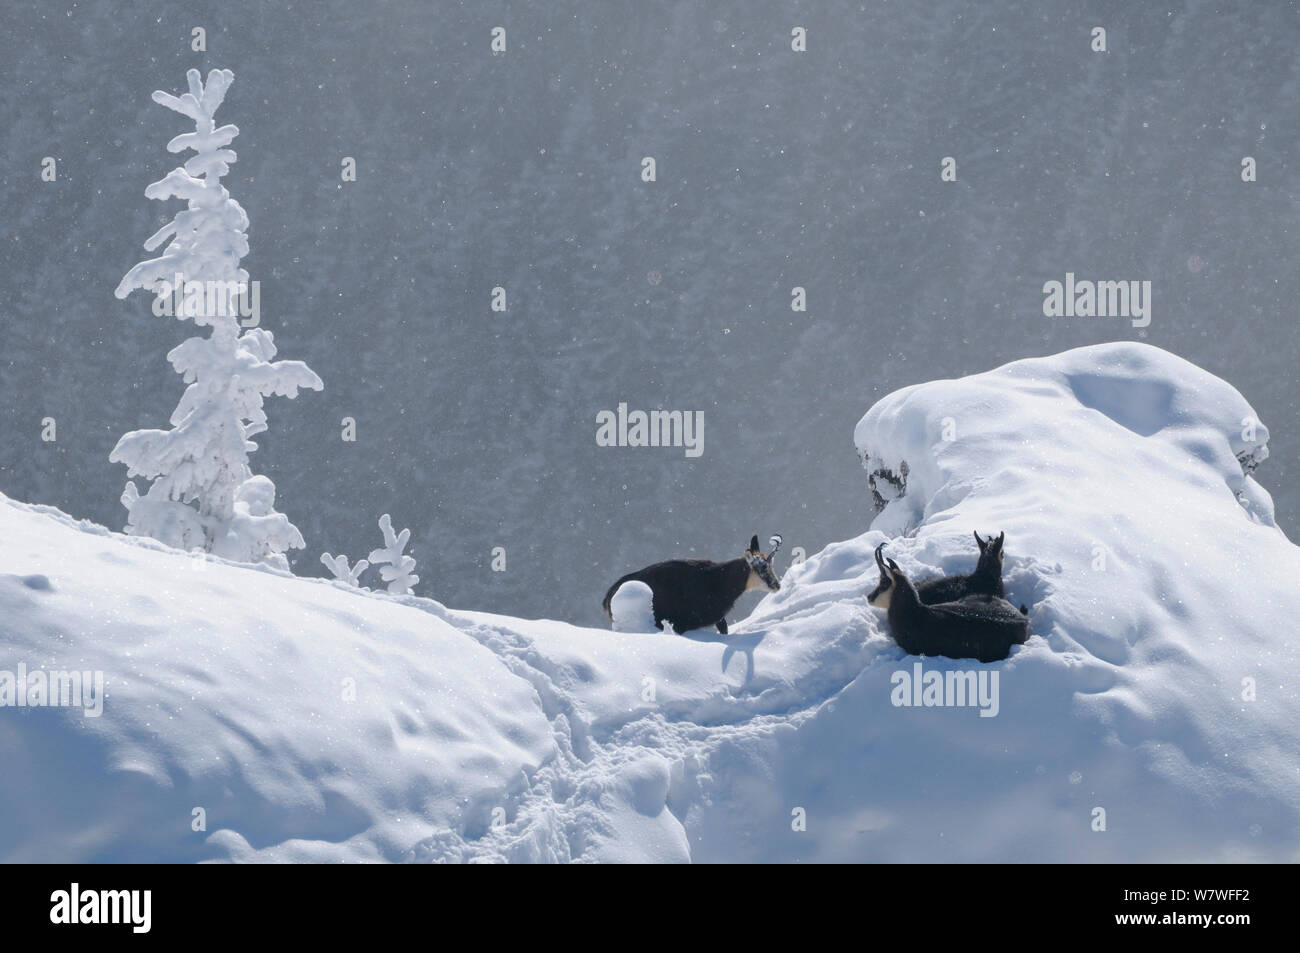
x: 312, y: 721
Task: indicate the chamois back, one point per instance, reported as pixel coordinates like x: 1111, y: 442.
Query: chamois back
x: 986, y: 580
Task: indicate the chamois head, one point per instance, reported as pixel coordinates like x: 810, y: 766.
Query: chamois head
x: 761, y: 573
x: 990, y: 554
x: 879, y: 596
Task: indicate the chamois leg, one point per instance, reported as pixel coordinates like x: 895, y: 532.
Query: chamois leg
x: 721, y: 626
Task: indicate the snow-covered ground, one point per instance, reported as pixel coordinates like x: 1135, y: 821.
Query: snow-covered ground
x: 298, y: 719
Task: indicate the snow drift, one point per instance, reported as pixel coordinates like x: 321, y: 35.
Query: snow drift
x: 1153, y: 714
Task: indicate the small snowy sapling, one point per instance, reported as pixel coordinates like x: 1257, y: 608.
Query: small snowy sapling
x: 397, y: 568
x: 338, y: 565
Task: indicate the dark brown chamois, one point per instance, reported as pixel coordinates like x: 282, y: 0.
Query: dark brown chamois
x: 695, y: 593
x: 979, y: 627
x: 986, y: 580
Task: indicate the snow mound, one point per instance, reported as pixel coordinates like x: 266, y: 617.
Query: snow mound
x: 302, y: 719
x: 1152, y: 716
x: 632, y: 608
x: 309, y: 720
x: 1160, y: 678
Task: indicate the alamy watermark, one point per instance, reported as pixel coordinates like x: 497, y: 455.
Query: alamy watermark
x: 1102, y: 299
x: 76, y: 905
x: 947, y: 689
x: 653, y: 428
x: 181, y: 298
x: 38, y: 688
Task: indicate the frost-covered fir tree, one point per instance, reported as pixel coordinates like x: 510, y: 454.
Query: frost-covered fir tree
x: 397, y: 567
x: 203, y: 494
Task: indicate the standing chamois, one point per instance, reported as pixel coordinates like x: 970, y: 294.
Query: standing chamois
x: 695, y: 593
x: 975, y: 626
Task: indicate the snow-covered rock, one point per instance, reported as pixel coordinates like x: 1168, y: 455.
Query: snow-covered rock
x: 632, y: 609
x: 1153, y: 714
x: 1160, y: 682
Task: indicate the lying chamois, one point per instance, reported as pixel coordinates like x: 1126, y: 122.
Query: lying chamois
x: 986, y: 580
x: 695, y: 593
x: 977, y: 626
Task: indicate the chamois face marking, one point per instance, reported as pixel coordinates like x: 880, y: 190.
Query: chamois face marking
x: 879, y: 597
x: 761, y: 574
